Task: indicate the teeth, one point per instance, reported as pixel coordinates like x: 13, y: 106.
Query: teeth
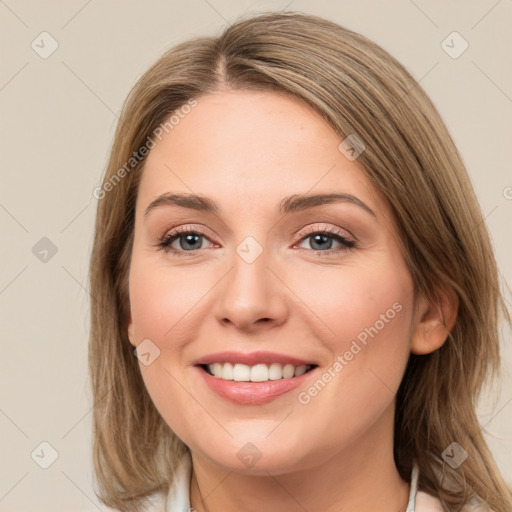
x: 300, y: 370
x: 275, y: 371
x: 257, y: 373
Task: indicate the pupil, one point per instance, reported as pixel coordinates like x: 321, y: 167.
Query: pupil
x: 325, y: 238
x: 190, y: 240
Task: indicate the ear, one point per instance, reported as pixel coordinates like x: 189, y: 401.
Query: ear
x: 435, y: 319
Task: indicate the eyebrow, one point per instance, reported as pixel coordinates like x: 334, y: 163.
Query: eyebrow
x: 288, y: 205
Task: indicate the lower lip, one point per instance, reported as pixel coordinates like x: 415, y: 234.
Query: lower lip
x: 252, y: 393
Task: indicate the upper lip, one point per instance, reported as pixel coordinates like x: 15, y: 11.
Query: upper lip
x: 251, y: 358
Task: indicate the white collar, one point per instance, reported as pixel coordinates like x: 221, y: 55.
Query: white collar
x: 411, y: 506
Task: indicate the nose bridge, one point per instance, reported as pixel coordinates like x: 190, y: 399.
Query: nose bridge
x: 250, y: 291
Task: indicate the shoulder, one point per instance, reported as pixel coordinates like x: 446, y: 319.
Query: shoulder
x: 427, y: 503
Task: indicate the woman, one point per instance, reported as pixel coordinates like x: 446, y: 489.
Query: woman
x: 321, y: 343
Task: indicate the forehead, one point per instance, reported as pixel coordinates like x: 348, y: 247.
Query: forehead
x: 254, y: 146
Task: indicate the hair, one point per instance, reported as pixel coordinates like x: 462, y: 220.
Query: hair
x: 358, y: 88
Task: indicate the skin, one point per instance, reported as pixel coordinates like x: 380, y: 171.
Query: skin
x: 334, y: 453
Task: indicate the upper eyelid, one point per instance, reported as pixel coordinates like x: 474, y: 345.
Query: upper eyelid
x: 332, y: 230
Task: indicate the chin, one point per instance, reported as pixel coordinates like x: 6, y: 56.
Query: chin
x: 259, y: 457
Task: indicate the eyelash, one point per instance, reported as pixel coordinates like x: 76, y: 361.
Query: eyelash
x: 165, y: 242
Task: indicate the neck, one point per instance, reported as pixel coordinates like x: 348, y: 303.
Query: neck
x: 361, y: 477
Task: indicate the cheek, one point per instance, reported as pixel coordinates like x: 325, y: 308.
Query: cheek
x: 166, y: 308
x: 349, y: 299
x: 163, y: 302
x: 162, y: 311
x: 365, y: 312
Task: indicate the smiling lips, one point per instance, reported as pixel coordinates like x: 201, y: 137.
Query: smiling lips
x: 253, y: 378
x: 254, y: 366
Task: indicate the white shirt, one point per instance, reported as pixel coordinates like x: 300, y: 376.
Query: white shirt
x: 178, y: 498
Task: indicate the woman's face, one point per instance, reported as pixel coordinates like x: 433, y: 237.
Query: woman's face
x: 321, y: 282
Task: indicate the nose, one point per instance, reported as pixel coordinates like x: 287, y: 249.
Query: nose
x: 252, y: 297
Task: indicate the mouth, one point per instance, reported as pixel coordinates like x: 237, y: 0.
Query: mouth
x: 254, y: 385
x: 260, y: 372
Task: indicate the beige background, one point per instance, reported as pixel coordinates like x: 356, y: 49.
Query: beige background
x: 58, y: 118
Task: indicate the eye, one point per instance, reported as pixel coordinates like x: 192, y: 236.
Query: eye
x: 183, y: 240
x: 189, y: 240
x: 322, y: 241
